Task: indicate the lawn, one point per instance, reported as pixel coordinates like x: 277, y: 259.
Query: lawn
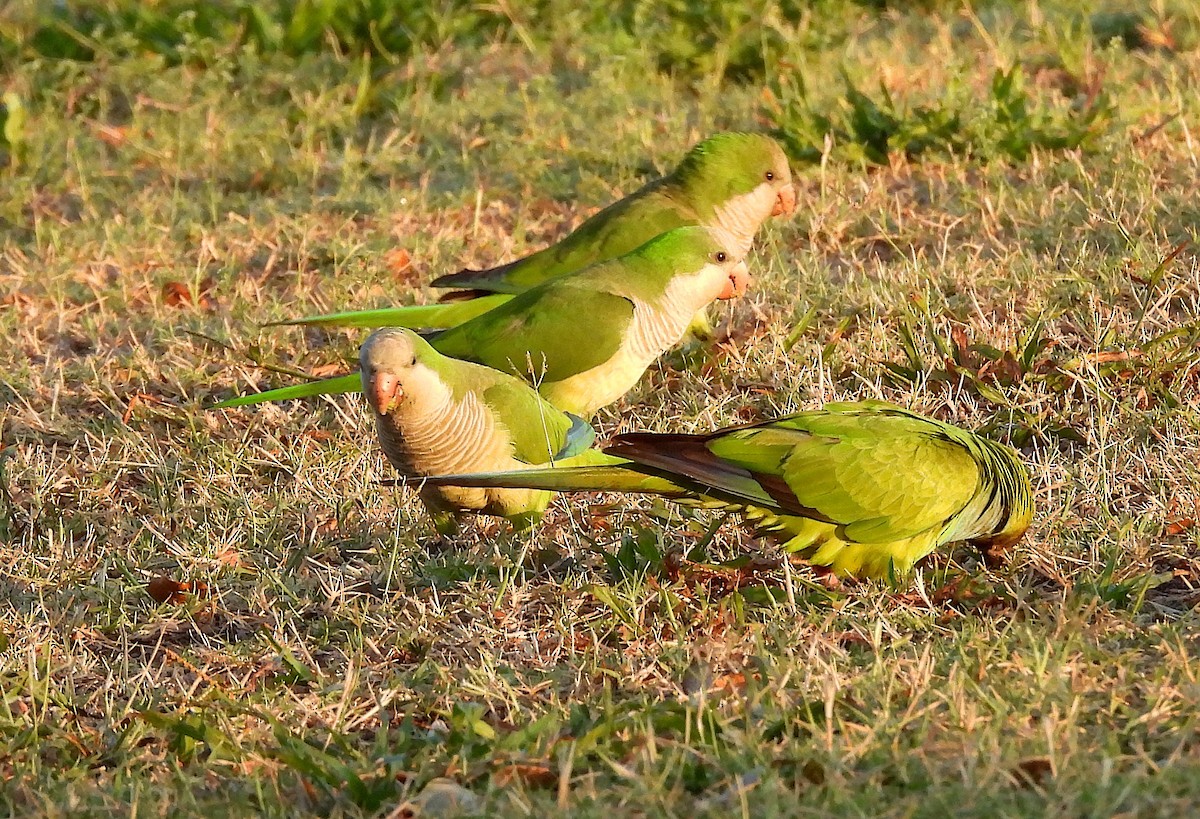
x: 225, y: 613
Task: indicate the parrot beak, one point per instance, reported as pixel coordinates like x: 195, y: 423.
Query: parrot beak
x: 739, y: 282
x: 785, y: 201
x: 996, y: 548
x: 386, y: 392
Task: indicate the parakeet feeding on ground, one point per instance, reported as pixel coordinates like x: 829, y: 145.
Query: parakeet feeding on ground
x: 585, y: 339
x: 866, y: 489
x: 435, y: 414
x: 730, y: 182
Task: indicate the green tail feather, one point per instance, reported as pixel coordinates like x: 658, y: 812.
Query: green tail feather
x: 414, y: 317
x: 326, y: 386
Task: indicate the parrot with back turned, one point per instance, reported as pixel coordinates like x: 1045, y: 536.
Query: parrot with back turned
x: 730, y: 182
x: 866, y: 489
x: 434, y: 413
x: 585, y: 339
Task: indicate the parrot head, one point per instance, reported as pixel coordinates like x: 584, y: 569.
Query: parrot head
x: 996, y: 546
x: 746, y: 172
x: 707, y: 255
x: 389, y: 361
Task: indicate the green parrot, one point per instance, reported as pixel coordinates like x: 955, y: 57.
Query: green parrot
x: 866, y: 489
x: 730, y: 182
x: 436, y: 414
x: 585, y: 339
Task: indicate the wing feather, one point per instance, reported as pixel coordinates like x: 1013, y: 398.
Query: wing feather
x: 557, y: 331
x: 884, y: 477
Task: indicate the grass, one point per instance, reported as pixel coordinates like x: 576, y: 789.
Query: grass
x: 315, y: 655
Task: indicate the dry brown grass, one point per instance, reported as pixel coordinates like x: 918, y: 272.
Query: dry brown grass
x: 331, y: 662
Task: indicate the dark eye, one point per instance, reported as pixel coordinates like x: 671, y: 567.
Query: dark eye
x: 721, y: 256
x: 770, y: 175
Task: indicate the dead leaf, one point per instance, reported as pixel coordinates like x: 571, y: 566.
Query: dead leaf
x: 1179, y: 526
x: 719, y: 580
x: 732, y: 682
x: 137, y: 400
x: 1005, y: 371
x: 1108, y: 356
x: 163, y: 589
x: 853, y: 638
x: 598, y: 518
x: 825, y: 575
x: 230, y: 557
x: 962, y: 344
x: 329, y: 370
x: 535, y: 775
x: 311, y: 792
x: 1156, y: 38
x: 112, y: 135
x: 176, y: 294
x: 16, y: 300
x: 88, y: 635
x: 398, y: 261
x: 747, y: 413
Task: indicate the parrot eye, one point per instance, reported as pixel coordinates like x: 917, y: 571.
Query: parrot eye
x: 770, y: 175
x: 721, y: 256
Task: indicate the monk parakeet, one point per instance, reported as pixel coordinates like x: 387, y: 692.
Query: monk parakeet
x: 729, y: 182
x: 586, y: 338
x: 866, y: 489
x: 436, y: 414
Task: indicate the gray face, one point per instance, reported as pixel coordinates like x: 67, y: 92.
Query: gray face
x: 386, y: 357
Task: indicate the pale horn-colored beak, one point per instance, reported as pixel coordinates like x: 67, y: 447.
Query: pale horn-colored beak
x: 385, y: 392
x: 785, y: 201
x: 739, y: 282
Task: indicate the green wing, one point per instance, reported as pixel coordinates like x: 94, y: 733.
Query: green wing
x: 884, y: 479
x: 556, y: 330
x: 415, y: 316
x: 612, y: 232
x: 327, y: 386
x: 539, y: 431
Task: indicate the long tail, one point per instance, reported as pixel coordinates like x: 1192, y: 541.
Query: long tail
x: 326, y: 386
x: 614, y: 475
x: 414, y: 317
x: 490, y: 279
